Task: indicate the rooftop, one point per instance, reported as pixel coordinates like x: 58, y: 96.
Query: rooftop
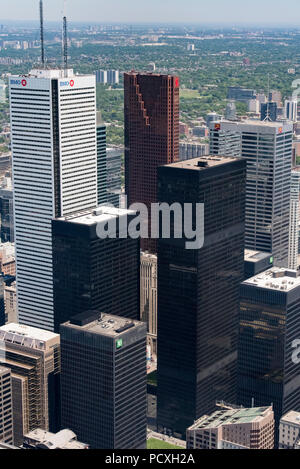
x: 279, y: 279
x: 102, y: 214
x: 255, y: 256
x: 230, y: 417
x: 102, y: 324
x: 65, y: 439
x: 291, y: 417
x: 277, y: 127
x: 3, y: 370
x: 203, y: 162
x: 27, y: 336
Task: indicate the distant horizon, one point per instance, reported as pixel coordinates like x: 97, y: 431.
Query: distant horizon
x: 228, y: 24
x: 199, y: 12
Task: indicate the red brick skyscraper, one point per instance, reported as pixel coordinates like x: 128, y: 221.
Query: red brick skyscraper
x: 151, y: 135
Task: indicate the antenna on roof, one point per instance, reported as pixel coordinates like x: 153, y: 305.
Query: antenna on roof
x: 268, y: 118
x: 42, y: 33
x: 65, y: 41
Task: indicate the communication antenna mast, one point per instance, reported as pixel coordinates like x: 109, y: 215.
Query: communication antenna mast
x: 42, y: 33
x: 65, y: 41
x: 268, y: 118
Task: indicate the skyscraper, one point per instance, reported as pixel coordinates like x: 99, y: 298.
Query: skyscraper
x: 291, y: 110
x: 33, y: 356
x: 53, y: 129
x: 268, y: 373
x: 149, y: 297
x: 267, y: 148
x: 151, y: 135
x: 104, y: 380
x: 294, y: 220
x: 198, y: 291
x: 94, y: 273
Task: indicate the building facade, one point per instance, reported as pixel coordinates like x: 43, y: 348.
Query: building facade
x: 267, y: 148
x: 33, y: 356
x: 95, y: 273
x: 53, y: 133
x: 149, y: 298
x: 294, y: 220
x: 289, y: 431
x: 233, y: 428
x: 151, y: 135
x: 198, y: 291
x: 6, y: 407
x: 104, y: 380
x: 268, y: 373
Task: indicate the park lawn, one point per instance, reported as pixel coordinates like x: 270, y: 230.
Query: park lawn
x: 189, y: 94
x: 158, y: 444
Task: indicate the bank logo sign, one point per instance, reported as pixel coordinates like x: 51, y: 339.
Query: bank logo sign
x: 19, y: 82
x: 119, y: 343
x: 67, y: 83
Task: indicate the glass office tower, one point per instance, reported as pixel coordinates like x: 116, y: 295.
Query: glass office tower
x: 94, y: 273
x: 198, y: 292
x: 267, y: 148
x: 104, y: 380
x: 268, y: 366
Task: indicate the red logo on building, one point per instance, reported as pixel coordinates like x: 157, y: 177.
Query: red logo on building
x: 24, y: 82
x: 177, y: 82
x: 72, y: 83
x: 217, y: 126
x: 280, y: 130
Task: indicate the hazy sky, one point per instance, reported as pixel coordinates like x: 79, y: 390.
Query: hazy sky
x: 199, y: 11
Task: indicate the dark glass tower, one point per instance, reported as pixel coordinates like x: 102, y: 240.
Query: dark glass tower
x: 103, y: 380
x: 151, y: 135
x: 198, y: 292
x: 6, y: 216
x: 94, y: 273
x: 268, y: 371
x: 268, y: 112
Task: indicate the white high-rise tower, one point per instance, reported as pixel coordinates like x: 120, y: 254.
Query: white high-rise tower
x: 53, y: 129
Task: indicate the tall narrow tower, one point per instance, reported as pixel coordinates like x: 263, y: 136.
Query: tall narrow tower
x: 53, y: 130
x: 42, y: 32
x: 151, y: 135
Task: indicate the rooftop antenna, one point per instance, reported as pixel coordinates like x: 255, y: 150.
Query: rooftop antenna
x: 65, y: 41
x: 268, y: 118
x: 42, y: 33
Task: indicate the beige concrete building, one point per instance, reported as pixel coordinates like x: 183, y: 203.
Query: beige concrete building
x: 33, y: 356
x: 6, y: 409
x: 233, y: 428
x: 149, y: 298
x: 10, y: 302
x: 289, y: 431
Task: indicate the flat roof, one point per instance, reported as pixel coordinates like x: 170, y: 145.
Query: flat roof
x: 276, y: 278
x: 65, y: 439
x: 107, y: 325
x: 229, y: 417
x: 256, y: 256
x: 291, y: 417
x: 248, y: 125
x: 99, y: 215
x: 3, y: 370
x: 27, y: 336
x: 203, y: 162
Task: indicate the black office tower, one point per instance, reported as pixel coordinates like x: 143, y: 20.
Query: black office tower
x: 103, y: 380
x: 198, y: 291
x: 90, y: 272
x: 268, y: 365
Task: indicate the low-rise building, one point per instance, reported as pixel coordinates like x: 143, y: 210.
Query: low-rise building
x: 289, y: 431
x: 41, y: 439
x: 233, y: 428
